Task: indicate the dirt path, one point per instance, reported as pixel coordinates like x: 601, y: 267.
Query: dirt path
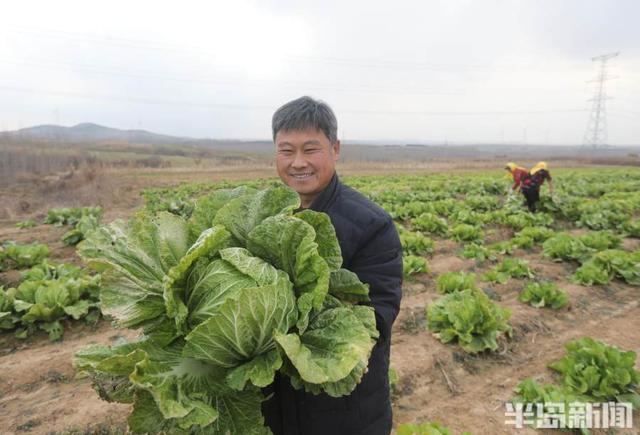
x: 38, y: 389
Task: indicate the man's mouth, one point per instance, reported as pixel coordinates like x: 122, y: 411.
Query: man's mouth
x: 302, y: 175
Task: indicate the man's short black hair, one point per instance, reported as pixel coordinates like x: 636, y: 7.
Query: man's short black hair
x: 305, y: 113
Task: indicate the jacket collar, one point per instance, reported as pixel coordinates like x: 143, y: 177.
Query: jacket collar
x: 321, y: 202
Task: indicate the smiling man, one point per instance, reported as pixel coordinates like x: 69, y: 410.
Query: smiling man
x: 306, y: 153
x: 307, y: 149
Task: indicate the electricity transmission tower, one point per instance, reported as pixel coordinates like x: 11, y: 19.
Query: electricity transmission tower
x: 596, y: 134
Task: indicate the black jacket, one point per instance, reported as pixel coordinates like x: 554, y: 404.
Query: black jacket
x: 371, y: 249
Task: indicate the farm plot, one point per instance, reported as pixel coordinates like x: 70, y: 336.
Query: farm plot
x: 541, y: 280
x: 565, y: 273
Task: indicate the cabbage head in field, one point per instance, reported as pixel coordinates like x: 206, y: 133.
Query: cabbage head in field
x: 242, y: 289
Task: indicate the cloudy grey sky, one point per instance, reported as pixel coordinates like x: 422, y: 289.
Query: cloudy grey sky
x: 460, y: 71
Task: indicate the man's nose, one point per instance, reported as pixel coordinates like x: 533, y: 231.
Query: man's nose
x: 299, y: 161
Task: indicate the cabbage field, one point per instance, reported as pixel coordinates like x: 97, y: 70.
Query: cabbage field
x: 109, y: 325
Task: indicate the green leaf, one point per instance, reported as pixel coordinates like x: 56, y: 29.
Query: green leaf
x: 289, y: 244
x: 240, y: 413
x: 127, y: 302
x: 78, y: 310
x: 346, y: 285
x: 332, y: 346
x: 42, y: 312
x: 252, y: 266
x: 131, y: 248
x: 172, y: 238
x: 243, y: 214
x: 244, y: 325
x: 210, y: 285
x: 328, y: 246
x: 146, y: 417
x: 210, y: 242
x: 82, y: 227
x: 175, y: 383
x: 208, y: 206
x: 260, y: 371
x: 54, y: 329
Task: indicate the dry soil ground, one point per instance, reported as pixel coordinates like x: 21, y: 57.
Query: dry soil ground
x: 39, y: 393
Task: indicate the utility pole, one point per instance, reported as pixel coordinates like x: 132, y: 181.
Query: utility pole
x: 596, y: 134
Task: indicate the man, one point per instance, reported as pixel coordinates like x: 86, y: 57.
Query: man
x: 307, y: 149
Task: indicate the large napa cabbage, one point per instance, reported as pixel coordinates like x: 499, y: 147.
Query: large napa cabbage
x: 224, y: 300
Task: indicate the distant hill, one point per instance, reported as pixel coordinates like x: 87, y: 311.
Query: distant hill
x: 98, y: 137
x: 87, y: 132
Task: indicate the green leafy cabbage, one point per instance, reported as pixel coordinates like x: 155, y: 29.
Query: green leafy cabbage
x: 606, y: 265
x: 469, y: 317
x: 412, y: 264
x: 47, y: 295
x: 430, y: 223
x: 509, y: 268
x: 85, y: 224
x: 240, y: 290
x: 455, y: 281
x: 467, y: 233
x: 414, y: 242
x: 544, y: 294
x: 70, y: 215
x: 21, y: 256
x: 603, y: 372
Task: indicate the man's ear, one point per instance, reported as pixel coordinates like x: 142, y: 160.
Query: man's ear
x: 336, y: 150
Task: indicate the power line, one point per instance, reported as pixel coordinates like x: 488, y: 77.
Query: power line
x: 340, y: 61
x: 596, y: 133
x: 129, y: 99
x: 484, y: 113
x: 351, y: 89
x: 205, y: 105
x: 627, y: 115
x: 94, y: 69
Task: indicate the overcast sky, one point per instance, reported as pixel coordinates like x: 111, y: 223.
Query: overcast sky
x: 486, y: 71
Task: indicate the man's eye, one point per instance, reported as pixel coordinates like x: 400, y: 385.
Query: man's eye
x: 285, y: 152
x: 311, y: 150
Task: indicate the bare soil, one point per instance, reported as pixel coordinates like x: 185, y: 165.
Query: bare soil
x: 39, y: 393
x: 442, y: 383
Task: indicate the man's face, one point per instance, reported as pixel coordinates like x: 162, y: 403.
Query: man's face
x: 306, y: 161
